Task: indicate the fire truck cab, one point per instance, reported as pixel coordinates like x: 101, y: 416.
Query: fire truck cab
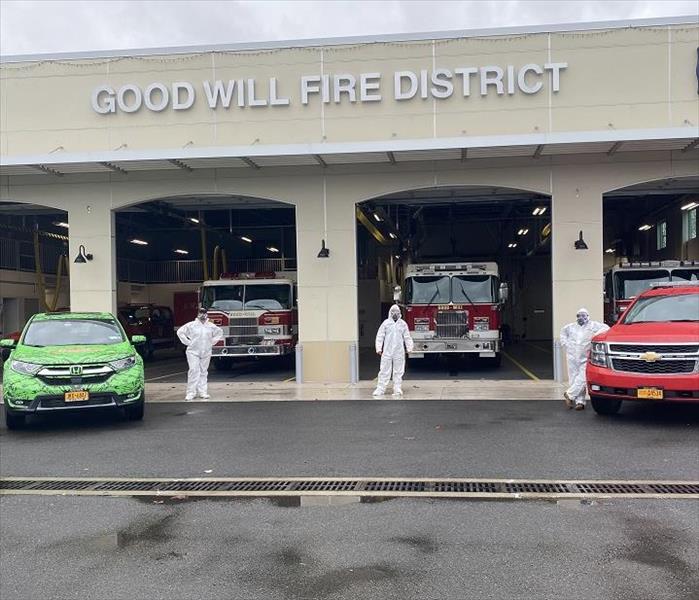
x: 257, y: 312
x: 454, y: 308
x: 627, y: 280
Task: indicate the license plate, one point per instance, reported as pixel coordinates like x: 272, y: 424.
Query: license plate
x: 650, y: 393
x: 81, y: 396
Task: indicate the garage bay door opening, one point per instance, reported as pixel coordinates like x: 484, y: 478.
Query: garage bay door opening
x: 650, y: 235
x: 473, y: 265
x: 34, y: 264
x: 236, y: 257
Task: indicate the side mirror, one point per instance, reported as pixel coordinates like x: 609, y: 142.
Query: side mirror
x: 6, y: 348
x: 136, y: 340
x: 504, y: 293
x: 397, y: 294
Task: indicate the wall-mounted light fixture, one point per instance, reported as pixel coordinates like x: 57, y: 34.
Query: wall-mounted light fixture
x: 82, y: 256
x: 580, y: 243
x: 324, y: 252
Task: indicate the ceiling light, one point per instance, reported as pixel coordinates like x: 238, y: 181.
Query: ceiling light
x: 397, y: 257
x: 246, y: 239
x: 644, y: 227
x: 539, y: 210
x: 194, y: 220
x: 512, y: 245
x: 272, y: 249
x: 689, y: 206
x: 392, y: 236
x: 378, y: 218
x: 523, y: 231
x: 180, y: 251
x: 64, y: 224
x: 139, y: 242
x: 609, y: 250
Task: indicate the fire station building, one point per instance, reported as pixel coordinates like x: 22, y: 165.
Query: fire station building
x: 554, y: 152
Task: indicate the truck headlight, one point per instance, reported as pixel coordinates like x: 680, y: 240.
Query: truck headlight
x: 422, y: 327
x: 598, y: 354
x: 481, y: 324
x: 123, y: 364
x: 25, y: 368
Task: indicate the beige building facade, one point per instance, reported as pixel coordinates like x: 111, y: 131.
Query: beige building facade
x: 324, y: 125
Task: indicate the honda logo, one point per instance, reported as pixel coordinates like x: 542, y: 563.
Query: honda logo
x: 76, y: 370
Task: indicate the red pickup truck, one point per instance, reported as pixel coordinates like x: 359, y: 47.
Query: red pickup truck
x: 651, y: 353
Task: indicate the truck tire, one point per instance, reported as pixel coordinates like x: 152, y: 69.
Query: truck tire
x: 15, y: 421
x: 605, y: 406
x: 134, y: 412
x: 223, y: 364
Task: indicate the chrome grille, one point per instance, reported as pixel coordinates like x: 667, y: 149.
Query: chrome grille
x: 659, y: 348
x: 452, y: 323
x: 241, y: 326
x: 660, y: 367
x: 57, y: 375
x: 244, y: 340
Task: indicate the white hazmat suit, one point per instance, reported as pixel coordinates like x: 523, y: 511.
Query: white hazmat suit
x: 392, y: 340
x: 576, y: 339
x: 199, y: 336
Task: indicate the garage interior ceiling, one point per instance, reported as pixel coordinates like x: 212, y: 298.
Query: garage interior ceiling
x: 58, y: 169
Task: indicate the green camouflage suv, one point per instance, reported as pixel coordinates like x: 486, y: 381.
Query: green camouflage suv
x: 68, y: 361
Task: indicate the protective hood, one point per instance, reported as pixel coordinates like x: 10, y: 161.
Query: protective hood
x: 393, y: 310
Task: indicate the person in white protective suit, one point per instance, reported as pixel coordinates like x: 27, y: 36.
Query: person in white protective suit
x: 392, y: 340
x: 199, y: 336
x: 576, y: 339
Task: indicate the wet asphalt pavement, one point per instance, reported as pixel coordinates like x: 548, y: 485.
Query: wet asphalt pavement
x: 63, y: 547
x: 97, y: 547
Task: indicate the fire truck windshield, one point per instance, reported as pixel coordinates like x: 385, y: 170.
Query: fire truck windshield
x: 630, y: 284
x: 273, y: 296
x: 685, y: 274
x: 427, y: 290
x: 473, y: 288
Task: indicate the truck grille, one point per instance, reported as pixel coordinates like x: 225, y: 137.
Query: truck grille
x: 252, y: 340
x: 242, y: 326
x: 661, y: 367
x: 659, y: 348
x: 452, y: 323
x: 61, y: 375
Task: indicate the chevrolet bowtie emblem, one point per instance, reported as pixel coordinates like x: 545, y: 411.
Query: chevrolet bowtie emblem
x: 650, y: 357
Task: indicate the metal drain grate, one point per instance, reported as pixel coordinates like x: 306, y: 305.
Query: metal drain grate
x: 356, y: 486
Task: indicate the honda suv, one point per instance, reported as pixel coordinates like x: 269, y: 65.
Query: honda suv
x: 67, y: 361
x: 651, y: 353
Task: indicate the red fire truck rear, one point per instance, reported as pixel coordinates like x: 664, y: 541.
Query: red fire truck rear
x: 627, y: 280
x: 453, y: 308
x: 257, y: 312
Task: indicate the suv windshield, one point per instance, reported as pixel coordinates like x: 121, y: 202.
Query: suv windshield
x: 73, y: 332
x: 272, y: 296
x: 472, y: 288
x: 134, y: 315
x: 663, y: 309
x: 630, y: 284
x: 427, y: 290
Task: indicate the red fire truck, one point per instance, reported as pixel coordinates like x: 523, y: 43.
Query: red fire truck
x: 257, y: 312
x: 625, y: 281
x: 454, y: 308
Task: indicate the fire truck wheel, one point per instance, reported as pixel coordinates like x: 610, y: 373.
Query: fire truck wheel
x: 605, y: 406
x: 223, y: 364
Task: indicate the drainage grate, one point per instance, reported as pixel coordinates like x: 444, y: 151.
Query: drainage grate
x: 297, y: 486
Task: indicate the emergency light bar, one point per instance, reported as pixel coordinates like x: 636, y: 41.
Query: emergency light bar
x: 260, y: 275
x: 664, y: 284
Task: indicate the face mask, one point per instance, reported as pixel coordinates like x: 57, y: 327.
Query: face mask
x: 395, y: 316
x: 582, y: 319
x: 202, y: 318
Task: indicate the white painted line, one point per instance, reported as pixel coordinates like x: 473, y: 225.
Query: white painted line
x: 166, y: 376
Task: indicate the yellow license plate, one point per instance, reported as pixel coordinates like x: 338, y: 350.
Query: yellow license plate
x: 650, y: 393
x: 76, y: 396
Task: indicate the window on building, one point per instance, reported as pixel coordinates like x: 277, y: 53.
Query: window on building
x: 661, y: 233
x: 689, y: 225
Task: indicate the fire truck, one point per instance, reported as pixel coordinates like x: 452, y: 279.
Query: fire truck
x: 625, y: 281
x: 257, y: 312
x: 454, y: 308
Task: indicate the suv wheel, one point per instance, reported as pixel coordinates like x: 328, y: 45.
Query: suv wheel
x: 605, y: 406
x: 134, y: 412
x: 14, y: 421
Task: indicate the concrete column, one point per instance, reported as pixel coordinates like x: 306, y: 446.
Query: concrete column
x: 92, y: 284
x: 327, y: 287
x: 577, y: 274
